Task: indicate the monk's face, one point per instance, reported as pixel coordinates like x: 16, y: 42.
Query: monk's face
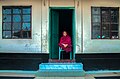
x: 64, y: 33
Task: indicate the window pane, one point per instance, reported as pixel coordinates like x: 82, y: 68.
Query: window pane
x: 96, y: 31
x: 16, y: 26
x: 105, y: 11
x: 114, y: 19
x: 26, y: 18
x: 105, y: 15
x: 26, y: 11
x: 105, y: 35
x: 96, y: 34
x: 96, y: 18
x: 7, y: 18
x: 114, y: 15
x: 16, y: 11
x: 16, y: 34
x: 6, y: 34
x: 106, y: 19
x: 95, y: 10
x: 6, y: 11
x: 114, y: 35
x: 16, y: 18
x: 26, y: 34
x: 105, y: 27
x: 115, y: 11
x: 26, y: 26
x: 106, y: 31
x: 6, y: 26
x: 114, y: 27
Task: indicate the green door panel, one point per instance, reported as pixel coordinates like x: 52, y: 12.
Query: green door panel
x: 54, y: 34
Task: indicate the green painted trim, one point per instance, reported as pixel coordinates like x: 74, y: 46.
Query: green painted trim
x: 74, y: 33
x: 18, y: 71
x: 73, y: 29
x: 62, y: 7
x: 102, y: 71
x: 49, y: 34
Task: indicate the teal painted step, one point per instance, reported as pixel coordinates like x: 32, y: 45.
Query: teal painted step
x: 61, y: 70
x: 60, y: 66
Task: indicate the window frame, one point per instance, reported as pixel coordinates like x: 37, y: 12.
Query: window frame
x: 21, y: 15
x: 110, y: 26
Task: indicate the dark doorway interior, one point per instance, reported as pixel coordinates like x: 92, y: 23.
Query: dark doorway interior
x: 65, y: 24
x: 60, y: 20
x: 65, y: 21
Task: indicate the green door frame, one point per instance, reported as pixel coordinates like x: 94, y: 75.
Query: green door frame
x: 73, y: 30
x: 53, y: 33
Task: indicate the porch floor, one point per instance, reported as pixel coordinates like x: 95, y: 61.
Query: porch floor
x: 61, y: 61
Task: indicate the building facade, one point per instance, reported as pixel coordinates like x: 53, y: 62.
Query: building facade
x: 30, y: 31
x: 40, y: 36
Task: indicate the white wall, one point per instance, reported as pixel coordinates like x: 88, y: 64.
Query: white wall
x: 40, y: 27
x: 23, y: 45
x: 92, y: 45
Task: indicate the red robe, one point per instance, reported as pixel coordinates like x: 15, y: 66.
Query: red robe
x: 66, y: 40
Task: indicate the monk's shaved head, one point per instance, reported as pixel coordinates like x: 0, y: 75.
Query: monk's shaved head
x: 64, y: 33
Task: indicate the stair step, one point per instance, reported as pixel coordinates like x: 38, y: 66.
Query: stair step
x: 60, y: 66
x: 60, y: 70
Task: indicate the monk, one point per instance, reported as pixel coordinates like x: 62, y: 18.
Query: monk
x: 65, y: 42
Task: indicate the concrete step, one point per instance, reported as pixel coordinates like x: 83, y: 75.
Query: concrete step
x: 61, y: 70
x: 61, y: 66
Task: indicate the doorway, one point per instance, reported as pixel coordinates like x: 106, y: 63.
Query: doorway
x: 60, y: 19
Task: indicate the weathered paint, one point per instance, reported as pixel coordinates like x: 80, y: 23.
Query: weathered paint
x: 40, y: 27
x: 24, y: 45
x: 97, y: 46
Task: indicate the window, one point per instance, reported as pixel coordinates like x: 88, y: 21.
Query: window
x: 105, y: 22
x: 16, y: 22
